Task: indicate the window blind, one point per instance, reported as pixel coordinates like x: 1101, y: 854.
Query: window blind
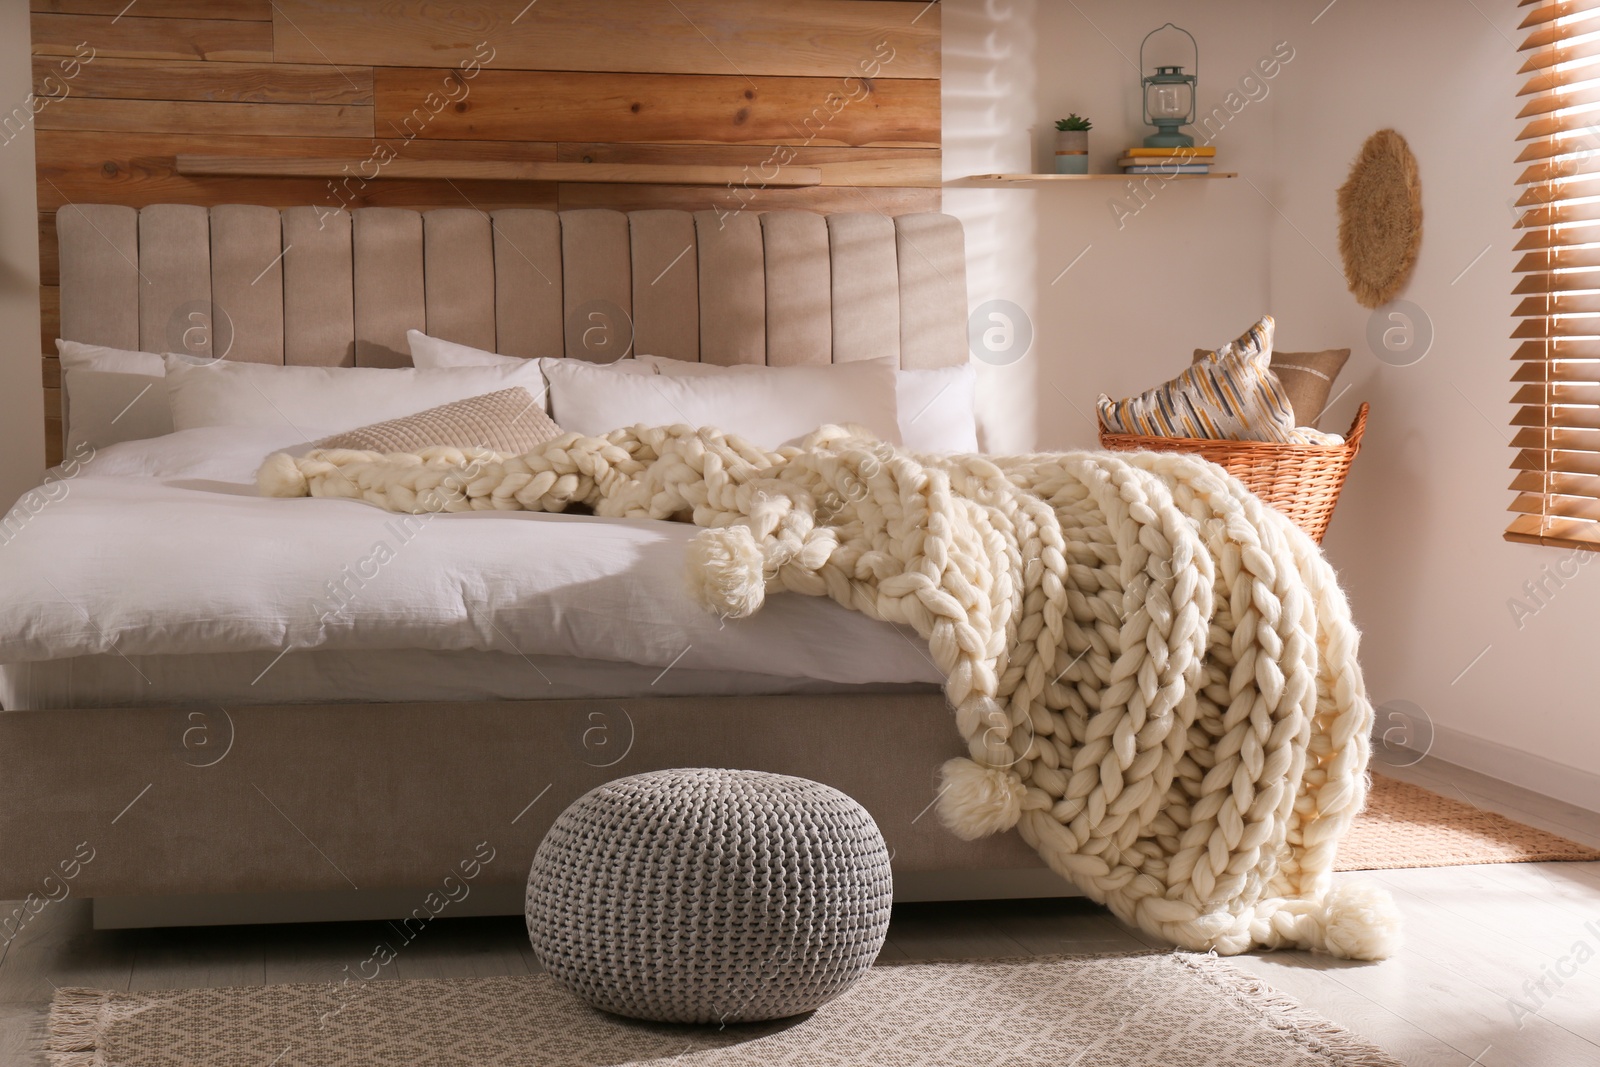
x: 1557, y: 376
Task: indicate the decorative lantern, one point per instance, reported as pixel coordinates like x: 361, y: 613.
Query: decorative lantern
x: 1169, y: 96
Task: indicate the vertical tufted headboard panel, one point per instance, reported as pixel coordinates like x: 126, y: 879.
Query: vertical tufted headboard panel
x: 311, y: 286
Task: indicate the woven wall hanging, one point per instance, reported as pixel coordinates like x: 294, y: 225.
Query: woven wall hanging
x: 1380, y: 219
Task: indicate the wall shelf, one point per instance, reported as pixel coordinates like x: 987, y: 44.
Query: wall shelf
x: 496, y: 170
x: 1022, y: 179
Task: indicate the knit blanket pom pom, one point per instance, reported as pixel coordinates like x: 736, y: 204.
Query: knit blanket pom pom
x: 978, y: 801
x: 280, y: 475
x: 727, y: 572
x: 1362, y: 921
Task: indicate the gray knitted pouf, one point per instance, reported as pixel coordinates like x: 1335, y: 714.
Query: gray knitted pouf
x: 699, y: 896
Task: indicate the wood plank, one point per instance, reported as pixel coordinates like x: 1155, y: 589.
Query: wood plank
x: 52, y: 404
x: 196, y: 118
x: 658, y: 108
x: 60, y: 147
x: 138, y: 169
x: 49, y: 317
x: 873, y: 167
x: 23, y: 1032
x: 321, y: 952
x: 700, y: 198
x: 1588, y: 873
x: 50, y: 372
x: 1461, y: 1013
x: 497, y: 170
x: 1297, y: 974
x: 1065, y: 927
x: 529, y: 958
x: 1506, y: 908
x: 1476, y: 970
x: 486, y: 947
x: 243, y: 83
x: 53, y: 450
x: 949, y: 932
x: 1507, y: 913
x: 49, y: 250
x: 60, y: 947
x: 246, y: 10
x: 197, y: 958
x: 890, y: 954
x: 138, y: 37
x: 297, y: 192
x: 888, y: 39
x: 1548, y: 922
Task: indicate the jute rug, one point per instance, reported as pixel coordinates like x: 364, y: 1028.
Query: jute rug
x: 1105, y: 1011
x: 1407, y: 826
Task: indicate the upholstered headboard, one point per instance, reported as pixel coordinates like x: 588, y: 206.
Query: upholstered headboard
x: 310, y: 285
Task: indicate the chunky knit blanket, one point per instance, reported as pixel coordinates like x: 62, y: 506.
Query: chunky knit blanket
x: 1154, y: 672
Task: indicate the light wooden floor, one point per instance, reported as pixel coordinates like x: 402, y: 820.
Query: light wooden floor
x: 1475, y: 935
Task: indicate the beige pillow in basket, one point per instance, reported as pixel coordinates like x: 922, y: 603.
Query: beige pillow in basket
x: 510, y: 421
x: 1307, y: 378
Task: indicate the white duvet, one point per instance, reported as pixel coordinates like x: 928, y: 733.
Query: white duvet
x: 162, y: 547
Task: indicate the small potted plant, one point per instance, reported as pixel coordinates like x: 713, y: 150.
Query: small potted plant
x: 1072, y: 144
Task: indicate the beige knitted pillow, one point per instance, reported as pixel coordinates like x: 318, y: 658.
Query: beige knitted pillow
x: 510, y: 421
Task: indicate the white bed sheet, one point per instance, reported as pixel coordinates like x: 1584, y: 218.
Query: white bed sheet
x: 163, y: 547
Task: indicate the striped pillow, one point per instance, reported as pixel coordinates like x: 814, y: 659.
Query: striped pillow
x: 1307, y: 378
x: 1232, y: 394
x: 510, y: 422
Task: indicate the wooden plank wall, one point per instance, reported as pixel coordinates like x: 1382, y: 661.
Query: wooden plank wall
x: 848, y: 86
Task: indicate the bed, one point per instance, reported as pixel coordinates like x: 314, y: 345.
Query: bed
x: 166, y: 711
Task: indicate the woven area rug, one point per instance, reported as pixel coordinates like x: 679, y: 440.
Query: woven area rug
x: 1407, y: 826
x: 1109, y: 1011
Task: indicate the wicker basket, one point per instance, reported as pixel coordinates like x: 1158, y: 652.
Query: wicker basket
x: 1302, y: 481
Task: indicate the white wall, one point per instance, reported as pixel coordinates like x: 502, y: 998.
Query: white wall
x: 1188, y: 269
x: 1417, y: 535
x: 21, y: 392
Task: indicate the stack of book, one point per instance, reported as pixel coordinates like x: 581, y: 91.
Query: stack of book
x: 1168, y: 161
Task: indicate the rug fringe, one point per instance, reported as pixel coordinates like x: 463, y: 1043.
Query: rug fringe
x: 1287, y: 1015
x: 78, y: 1017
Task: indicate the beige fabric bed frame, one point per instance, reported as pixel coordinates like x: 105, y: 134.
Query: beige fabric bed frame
x: 362, y: 809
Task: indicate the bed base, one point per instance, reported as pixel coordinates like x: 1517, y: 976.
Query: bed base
x: 349, y: 905
x: 190, y: 814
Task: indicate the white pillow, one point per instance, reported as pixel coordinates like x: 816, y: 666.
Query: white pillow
x: 101, y: 408
x: 936, y: 406
x: 770, y: 409
x: 332, y: 399
x: 78, y: 356
x: 434, y: 353
x: 109, y: 395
